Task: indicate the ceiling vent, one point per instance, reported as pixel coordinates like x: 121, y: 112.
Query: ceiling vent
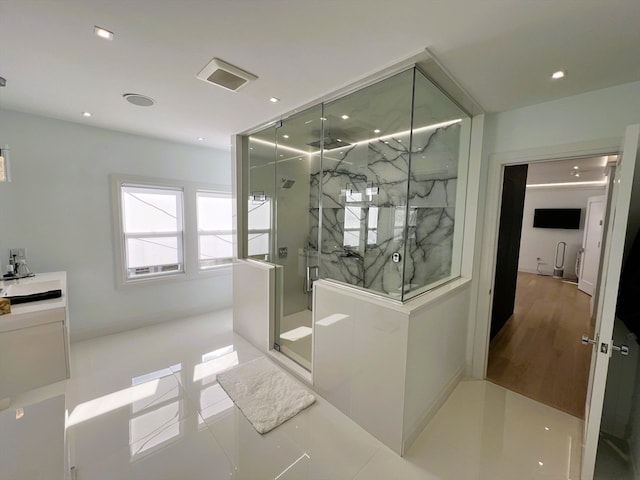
x: 225, y: 75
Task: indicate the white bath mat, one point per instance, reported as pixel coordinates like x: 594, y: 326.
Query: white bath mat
x: 266, y: 396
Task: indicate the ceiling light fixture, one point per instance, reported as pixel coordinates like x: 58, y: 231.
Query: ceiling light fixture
x: 558, y: 75
x: 102, y: 33
x: 86, y: 114
x: 285, y: 136
x: 575, y: 167
x: 377, y: 130
x: 601, y: 183
x: 201, y: 139
x: 345, y: 117
x: 434, y: 126
x: 274, y: 99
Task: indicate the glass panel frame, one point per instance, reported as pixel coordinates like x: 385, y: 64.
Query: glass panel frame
x: 393, y: 158
x: 440, y: 137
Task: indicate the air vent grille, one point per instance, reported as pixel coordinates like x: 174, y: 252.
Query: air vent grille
x: 225, y: 75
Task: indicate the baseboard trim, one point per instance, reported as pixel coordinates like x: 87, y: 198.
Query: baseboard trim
x: 412, y: 435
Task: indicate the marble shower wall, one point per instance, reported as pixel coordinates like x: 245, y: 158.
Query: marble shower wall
x: 359, y: 249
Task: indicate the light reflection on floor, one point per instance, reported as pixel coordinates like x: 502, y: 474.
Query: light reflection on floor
x: 183, y: 425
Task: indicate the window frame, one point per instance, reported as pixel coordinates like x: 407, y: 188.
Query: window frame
x: 190, y: 237
x: 178, y: 234
x: 220, y: 231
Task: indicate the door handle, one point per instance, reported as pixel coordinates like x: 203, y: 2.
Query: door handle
x: 623, y: 349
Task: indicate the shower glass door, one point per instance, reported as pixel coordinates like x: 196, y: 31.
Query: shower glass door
x: 297, y: 163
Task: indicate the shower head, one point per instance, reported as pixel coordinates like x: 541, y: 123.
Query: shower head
x: 287, y: 183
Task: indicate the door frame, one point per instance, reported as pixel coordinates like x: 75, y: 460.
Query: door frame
x: 583, y: 254
x: 482, y: 292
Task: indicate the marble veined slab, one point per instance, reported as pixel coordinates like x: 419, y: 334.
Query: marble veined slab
x: 379, y: 199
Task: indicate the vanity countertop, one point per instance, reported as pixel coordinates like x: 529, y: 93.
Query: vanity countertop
x: 28, y: 314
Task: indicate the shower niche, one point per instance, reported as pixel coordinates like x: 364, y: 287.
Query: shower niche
x: 365, y: 191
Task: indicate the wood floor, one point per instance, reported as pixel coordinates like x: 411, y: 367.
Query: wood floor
x: 538, y: 352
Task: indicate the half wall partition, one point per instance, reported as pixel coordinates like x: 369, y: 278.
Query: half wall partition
x: 365, y: 190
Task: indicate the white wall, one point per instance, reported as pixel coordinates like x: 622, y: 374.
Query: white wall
x: 389, y: 366
x: 541, y: 242
x: 594, y: 115
x: 254, y: 301
x: 59, y: 208
x: 359, y: 358
x: 435, y: 355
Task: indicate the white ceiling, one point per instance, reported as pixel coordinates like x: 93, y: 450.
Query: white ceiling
x: 501, y: 51
x: 577, y: 171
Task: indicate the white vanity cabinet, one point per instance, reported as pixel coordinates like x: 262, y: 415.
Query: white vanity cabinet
x: 34, y: 338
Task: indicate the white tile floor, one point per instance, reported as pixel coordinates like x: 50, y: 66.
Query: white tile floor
x: 145, y: 405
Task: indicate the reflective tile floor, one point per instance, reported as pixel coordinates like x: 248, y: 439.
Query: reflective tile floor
x: 145, y: 405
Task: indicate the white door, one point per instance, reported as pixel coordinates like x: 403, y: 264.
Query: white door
x: 616, y: 227
x: 590, y: 257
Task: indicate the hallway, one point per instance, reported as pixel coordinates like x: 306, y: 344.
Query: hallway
x: 538, y: 352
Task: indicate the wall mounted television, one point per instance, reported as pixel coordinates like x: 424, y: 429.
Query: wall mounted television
x: 568, y: 218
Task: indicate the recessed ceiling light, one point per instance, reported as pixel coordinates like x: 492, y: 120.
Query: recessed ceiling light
x: 86, y: 114
x: 139, y: 100
x: 377, y: 130
x: 285, y: 136
x: 558, y: 75
x: 575, y: 167
x: 274, y: 99
x: 102, y: 33
x: 201, y: 139
x: 345, y: 117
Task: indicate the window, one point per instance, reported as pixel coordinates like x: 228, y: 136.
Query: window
x: 170, y: 229
x: 259, y: 223
x: 215, y: 229
x: 152, y: 219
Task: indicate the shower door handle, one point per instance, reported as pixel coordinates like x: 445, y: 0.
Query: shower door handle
x: 308, y: 284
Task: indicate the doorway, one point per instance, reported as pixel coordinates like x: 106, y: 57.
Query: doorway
x: 539, y: 313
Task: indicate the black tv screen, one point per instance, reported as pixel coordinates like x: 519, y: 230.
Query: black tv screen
x: 557, y: 218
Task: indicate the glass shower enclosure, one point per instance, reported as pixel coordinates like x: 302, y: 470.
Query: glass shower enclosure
x: 363, y: 190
